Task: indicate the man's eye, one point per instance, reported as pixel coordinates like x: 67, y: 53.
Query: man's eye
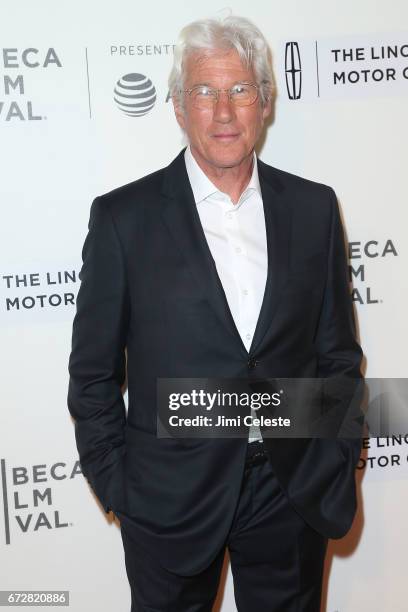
x: 204, y: 91
x: 239, y: 89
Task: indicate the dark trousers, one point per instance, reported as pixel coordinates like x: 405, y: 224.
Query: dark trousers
x: 276, y: 559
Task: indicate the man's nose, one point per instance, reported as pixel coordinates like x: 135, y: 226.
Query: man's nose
x: 223, y: 108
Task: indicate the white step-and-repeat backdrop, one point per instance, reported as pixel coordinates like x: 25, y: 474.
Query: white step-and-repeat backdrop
x: 64, y: 139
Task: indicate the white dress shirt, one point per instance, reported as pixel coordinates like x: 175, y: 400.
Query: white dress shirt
x: 236, y: 237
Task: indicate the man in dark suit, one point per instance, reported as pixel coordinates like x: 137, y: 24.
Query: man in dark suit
x: 217, y: 266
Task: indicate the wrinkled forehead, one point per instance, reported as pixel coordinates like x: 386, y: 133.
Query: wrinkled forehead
x: 215, y: 67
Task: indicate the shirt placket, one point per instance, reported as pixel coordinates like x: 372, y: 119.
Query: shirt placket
x: 243, y: 284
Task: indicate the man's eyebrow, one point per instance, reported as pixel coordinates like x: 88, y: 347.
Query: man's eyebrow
x: 214, y: 87
x: 202, y: 84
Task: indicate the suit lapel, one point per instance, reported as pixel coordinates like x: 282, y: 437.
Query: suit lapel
x: 278, y: 229
x: 181, y: 217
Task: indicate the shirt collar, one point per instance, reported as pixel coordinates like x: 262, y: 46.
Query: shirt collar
x: 202, y: 186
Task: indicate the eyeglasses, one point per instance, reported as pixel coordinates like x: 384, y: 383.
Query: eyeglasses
x: 204, y: 97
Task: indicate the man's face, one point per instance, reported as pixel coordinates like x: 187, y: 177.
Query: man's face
x: 225, y: 135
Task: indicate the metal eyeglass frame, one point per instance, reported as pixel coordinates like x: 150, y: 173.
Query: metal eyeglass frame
x: 218, y: 90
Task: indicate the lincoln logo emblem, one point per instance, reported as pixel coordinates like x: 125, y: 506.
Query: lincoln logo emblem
x: 293, y: 71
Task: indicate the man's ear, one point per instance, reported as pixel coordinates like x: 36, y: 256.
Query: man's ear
x: 266, y: 111
x: 178, y: 111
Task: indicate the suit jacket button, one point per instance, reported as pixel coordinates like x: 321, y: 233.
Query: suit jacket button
x: 252, y: 363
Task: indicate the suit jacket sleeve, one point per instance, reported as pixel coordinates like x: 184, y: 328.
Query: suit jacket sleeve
x: 97, y: 364
x: 339, y: 353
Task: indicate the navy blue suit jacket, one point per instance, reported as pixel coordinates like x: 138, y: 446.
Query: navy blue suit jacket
x: 151, y: 303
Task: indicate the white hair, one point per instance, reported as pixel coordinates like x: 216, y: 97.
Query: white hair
x: 224, y: 34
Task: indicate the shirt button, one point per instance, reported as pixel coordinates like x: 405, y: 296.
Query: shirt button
x: 245, y: 291
x: 248, y: 336
x: 229, y: 215
x: 252, y: 363
x: 238, y: 249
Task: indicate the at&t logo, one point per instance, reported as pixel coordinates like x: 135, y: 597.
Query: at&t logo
x: 135, y: 94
